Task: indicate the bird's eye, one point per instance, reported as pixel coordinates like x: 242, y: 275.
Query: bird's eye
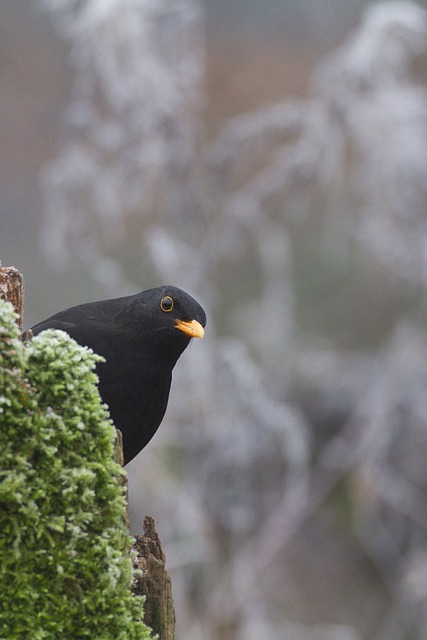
x: 166, y: 304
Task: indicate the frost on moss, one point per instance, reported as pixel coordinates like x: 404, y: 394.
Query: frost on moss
x: 65, y: 565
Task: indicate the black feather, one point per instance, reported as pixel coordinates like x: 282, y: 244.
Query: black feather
x: 141, y: 345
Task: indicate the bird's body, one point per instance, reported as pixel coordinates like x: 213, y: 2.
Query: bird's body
x: 141, y: 338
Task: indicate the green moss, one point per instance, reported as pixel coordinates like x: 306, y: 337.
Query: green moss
x: 65, y: 564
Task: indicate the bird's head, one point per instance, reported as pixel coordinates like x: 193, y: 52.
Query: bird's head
x: 183, y: 311
x: 173, y: 310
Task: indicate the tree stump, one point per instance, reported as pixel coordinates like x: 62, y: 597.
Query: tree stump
x: 154, y: 582
x: 12, y: 290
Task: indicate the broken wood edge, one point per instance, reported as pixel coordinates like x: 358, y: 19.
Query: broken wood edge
x: 12, y: 290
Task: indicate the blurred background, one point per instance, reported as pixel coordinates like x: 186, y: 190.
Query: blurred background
x: 271, y: 159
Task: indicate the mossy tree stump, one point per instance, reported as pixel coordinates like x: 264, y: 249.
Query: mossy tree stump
x: 154, y: 581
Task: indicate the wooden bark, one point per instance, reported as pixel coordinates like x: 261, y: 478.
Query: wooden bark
x: 12, y: 290
x: 154, y: 582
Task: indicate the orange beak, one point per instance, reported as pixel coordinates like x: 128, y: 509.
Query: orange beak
x: 191, y: 328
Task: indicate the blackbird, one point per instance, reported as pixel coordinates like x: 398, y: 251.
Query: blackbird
x: 141, y: 338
